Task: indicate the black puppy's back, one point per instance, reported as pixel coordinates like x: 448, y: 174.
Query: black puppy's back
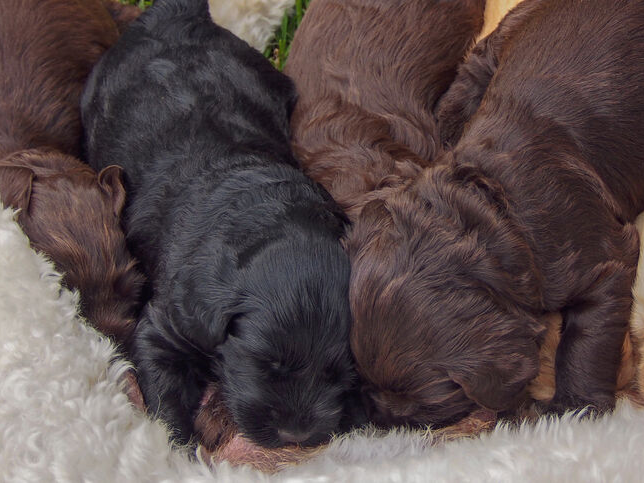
x: 199, y: 122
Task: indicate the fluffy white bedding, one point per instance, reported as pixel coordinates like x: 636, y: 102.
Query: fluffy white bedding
x: 254, y: 21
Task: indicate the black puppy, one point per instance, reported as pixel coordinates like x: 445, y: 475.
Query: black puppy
x: 249, y: 280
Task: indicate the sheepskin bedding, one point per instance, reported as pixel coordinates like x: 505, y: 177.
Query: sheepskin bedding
x: 252, y: 20
x: 64, y: 418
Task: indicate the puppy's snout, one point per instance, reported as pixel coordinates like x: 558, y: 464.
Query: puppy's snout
x: 293, y: 436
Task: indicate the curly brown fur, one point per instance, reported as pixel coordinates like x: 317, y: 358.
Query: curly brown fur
x: 368, y: 74
x: 529, y: 214
x: 47, y: 48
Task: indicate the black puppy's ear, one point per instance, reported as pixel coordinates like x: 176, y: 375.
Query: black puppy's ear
x: 111, y: 182
x: 497, y: 385
x: 15, y: 186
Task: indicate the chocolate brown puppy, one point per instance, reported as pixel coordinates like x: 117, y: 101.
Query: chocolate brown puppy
x: 530, y: 213
x: 47, y: 49
x: 368, y: 74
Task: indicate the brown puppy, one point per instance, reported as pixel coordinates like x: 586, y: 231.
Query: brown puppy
x: 47, y: 49
x: 530, y: 214
x: 368, y: 74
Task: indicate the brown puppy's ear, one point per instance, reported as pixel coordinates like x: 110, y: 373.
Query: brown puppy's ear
x: 15, y: 186
x: 109, y: 179
x: 497, y: 385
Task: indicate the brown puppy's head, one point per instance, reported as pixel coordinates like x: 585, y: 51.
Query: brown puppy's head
x: 436, y: 271
x: 73, y: 215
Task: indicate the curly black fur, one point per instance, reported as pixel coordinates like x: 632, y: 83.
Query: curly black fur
x: 249, y: 281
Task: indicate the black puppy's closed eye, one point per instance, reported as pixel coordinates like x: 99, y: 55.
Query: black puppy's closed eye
x: 233, y: 328
x: 277, y: 370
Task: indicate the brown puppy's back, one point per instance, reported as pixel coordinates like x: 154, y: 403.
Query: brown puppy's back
x: 368, y: 75
x: 548, y: 175
x: 51, y: 72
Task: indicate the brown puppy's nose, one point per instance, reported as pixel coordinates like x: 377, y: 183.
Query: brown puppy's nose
x: 293, y: 436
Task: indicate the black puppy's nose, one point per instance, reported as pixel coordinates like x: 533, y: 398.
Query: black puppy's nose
x: 293, y: 436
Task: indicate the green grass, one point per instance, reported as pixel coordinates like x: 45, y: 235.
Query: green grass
x: 279, y: 46
x: 138, y: 3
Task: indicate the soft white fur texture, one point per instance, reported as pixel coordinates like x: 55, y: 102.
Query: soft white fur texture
x: 254, y: 21
x: 63, y: 417
x: 62, y: 414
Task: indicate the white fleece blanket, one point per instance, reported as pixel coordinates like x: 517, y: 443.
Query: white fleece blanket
x: 254, y: 21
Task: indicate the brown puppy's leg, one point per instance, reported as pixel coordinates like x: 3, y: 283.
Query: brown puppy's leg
x: 589, y: 354
x: 122, y: 14
x: 542, y: 387
x: 214, y: 424
x: 465, y: 94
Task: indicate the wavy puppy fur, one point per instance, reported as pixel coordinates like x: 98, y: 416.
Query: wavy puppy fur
x: 47, y: 49
x: 368, y: 74
x: 530, y: 213
x: 249, y: 280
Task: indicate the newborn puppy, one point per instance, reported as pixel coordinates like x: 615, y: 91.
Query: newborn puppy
x: 249, y: 281
x: 531, y: 213
x: 368, y: 74
x: 47, y: 48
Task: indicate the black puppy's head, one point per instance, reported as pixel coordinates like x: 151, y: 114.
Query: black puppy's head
x: 286, y: 365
